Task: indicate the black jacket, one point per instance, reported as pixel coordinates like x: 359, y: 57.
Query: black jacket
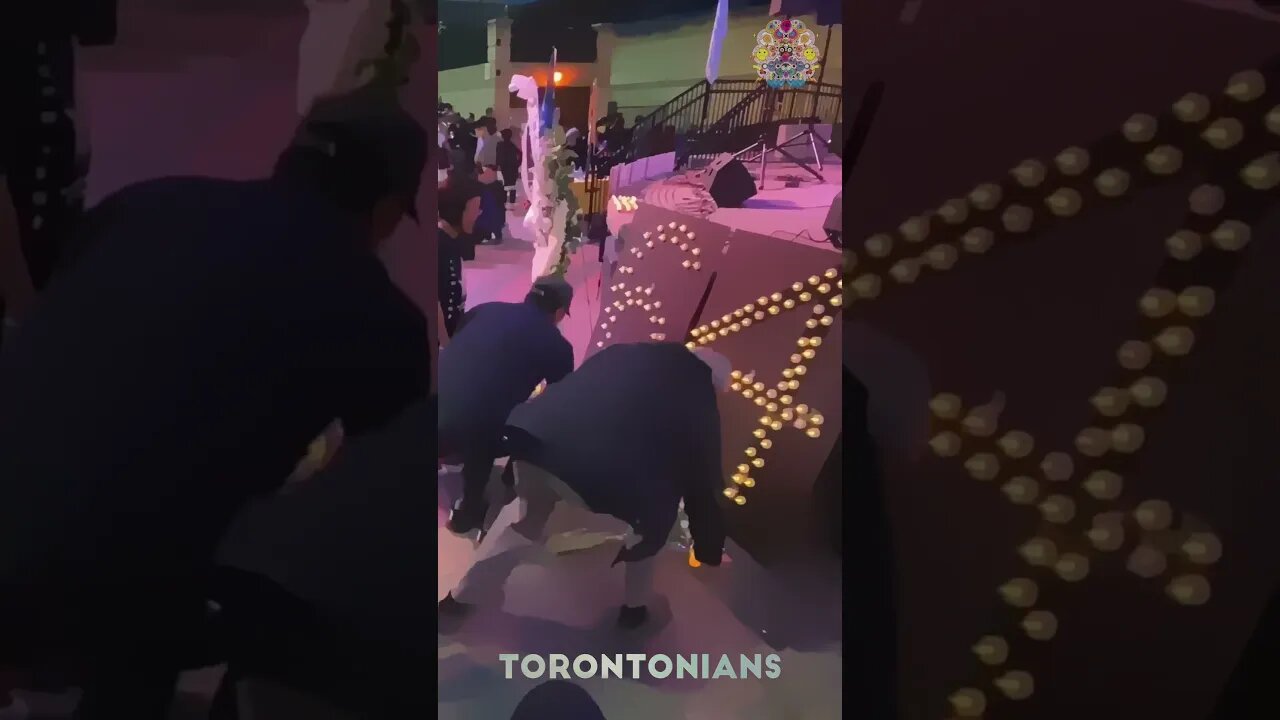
x: 632, y: 431
x: 509, y: 159
x: 499, y: 354
x: 209, y: 332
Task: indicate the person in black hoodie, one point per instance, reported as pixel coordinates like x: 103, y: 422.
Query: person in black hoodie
x: 493, y: 207
x: 629, y: 434
x: 509, y: 160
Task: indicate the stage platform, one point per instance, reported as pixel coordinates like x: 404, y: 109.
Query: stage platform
x: 501, y: 272
x: 788, y: 213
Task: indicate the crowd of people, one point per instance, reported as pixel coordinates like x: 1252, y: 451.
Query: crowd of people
x: 494, y: 356
x: 172, y: 353
x: 478, y: 163
x: 574, y: 443
x: 478, y: 171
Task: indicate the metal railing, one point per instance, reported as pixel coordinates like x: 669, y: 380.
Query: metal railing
x: 760, y: 115
x: 690, y: 111
x: 706, y: 118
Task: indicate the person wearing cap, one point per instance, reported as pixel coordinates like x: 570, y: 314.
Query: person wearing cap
x: 499, y: 355
x: 210, y: 330
x: 629, y: 434
x: 485, y: 133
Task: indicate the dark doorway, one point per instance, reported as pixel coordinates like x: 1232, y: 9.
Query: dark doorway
x: 573, y: 103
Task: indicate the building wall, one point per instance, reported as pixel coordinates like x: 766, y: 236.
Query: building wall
x: 641, y: 66
x: 650, y: 69
x: 467, y: 89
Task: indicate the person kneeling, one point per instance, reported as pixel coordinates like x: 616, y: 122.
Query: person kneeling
x: 607, y: 439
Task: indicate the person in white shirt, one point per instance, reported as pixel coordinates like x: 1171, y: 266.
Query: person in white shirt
x: 486, y: 142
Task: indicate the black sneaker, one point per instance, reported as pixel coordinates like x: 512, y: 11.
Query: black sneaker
x: 466, y: 519
x: 630, y: 618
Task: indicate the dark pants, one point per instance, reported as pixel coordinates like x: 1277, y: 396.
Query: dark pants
x: 477, y: 451
x: 510, y: 178
x: 263, y: 631
x: 477, y: 467
x: 452, y: 302
x: 123, y: 642
x: 126, y: 644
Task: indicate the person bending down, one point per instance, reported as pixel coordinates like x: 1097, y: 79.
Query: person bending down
x: 629, y: 434
x: 210, y: 331
x: 499, y: 354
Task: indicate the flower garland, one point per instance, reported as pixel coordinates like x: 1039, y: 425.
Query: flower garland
x: 559, y: 167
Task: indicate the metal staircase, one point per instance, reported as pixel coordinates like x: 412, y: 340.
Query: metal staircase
x: 691, y: 110
x: 760, y: 115
x: 708, y: 119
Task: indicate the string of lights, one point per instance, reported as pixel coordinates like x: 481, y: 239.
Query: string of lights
x: 823, y: 296
x: 1156, y: 541
x: 641, y: 296
x: 1037, y: 196
x: 1233, y: 141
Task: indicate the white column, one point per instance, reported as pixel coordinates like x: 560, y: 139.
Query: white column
x: 339, y: 36
x: 498, y: 69
x: 606, y: 41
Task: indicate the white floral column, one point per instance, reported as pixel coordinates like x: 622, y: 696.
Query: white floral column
x: 341, y: 35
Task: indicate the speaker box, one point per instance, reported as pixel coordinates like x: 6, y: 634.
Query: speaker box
x: 729, y: 181
x: 834, y: 224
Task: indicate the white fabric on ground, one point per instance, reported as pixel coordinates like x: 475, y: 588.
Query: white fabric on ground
x: 518, y: 535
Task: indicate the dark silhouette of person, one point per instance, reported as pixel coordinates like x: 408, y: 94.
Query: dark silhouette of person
x: 459, y: 204
x: 559, y: 699
x: 499, y: 356
x: 872, y: 617
x: 493, y: 206
x: 630, y: 434
x: 42, y: 163
x: 210, y: 330
x: 509, y: 160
